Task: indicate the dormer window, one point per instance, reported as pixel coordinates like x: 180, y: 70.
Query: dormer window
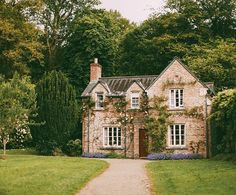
x: 135, y: 100
x: 176, y: 98
x: 99, y: 100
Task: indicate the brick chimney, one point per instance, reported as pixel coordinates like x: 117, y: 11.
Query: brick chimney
x: 95, y: 70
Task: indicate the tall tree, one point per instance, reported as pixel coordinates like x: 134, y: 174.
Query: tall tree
x: 56, y: 17
x: 151, y: 46
x: 17, y: 102
x: 20, y: 49
x: 214, y: 17
x: 214, y: 61
x: 57, y: 107
x: 96, y: 35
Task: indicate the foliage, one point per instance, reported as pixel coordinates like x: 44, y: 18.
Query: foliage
x: 223, y: 122
x: 180, y: 156
x: 73, y: 148
x: 96, y: 35
x: 209, y: 17
x: 20, y: 49
x: 20, y: 138
x: 195, y: 147
x: 192, y: 177
x: 57, y: 107
x: 56, y: 18
x: 156, y: 124
x: 214, y: 62
x: 17, y: 102
x: 31, y: 174
x: 152, y: 45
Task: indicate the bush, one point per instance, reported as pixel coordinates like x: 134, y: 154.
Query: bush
x: 225, y: 157
x: 180, y: 156
x: 73, y: 148
x: 47, y: 148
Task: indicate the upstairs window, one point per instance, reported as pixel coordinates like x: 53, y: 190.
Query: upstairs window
x: 135, y: 100
x: 176, y: 98
x: 100, y: 100
x: 112, y: 137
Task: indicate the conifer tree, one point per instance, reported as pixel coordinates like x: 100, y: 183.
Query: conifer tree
x: 57, y: 107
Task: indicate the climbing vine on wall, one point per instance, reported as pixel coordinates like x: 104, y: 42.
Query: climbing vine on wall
x: 156, y: 124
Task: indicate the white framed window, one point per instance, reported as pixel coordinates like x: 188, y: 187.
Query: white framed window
x: 135, y: 100
x: 176, y: 98
x: 112, y: 137
x: 177, y: 135
x: 99, y: 100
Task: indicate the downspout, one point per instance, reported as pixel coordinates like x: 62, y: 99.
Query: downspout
x: 125, y: 133
x: 88, y: 126
x: 207, y: 131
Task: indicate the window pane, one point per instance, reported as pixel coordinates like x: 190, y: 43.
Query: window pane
x: 181, y: 97
x: 172, y: 97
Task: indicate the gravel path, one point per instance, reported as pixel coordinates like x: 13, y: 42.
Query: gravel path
x: 123, y: 177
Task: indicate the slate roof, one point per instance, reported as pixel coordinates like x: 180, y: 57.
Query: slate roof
x: 119, y: 85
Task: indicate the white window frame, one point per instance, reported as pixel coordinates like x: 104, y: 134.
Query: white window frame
x: 174, y: 144
x: 176, y: 98
x: 135, y: 101
x: 114, y: 138
x: 99, y: 103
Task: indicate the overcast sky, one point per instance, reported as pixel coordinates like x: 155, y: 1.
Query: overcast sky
x: 134, y: 10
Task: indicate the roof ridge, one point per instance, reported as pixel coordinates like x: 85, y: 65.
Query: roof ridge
x: 120, y: 77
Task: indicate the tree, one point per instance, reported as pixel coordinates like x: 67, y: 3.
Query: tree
x: 57, y: 107
x: 152, y: 45
x: 210, y: 17
x: 20, y: 49
x: 17, y: 102
x: 56, y: 18
x: 214, y: 62
x: 223, y: 122
x: 96, y: 35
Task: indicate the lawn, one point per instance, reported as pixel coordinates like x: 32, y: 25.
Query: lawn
x: 193, y: 177
x: 31, y: 174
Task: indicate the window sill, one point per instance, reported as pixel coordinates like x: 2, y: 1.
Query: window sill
x: 175, y: 109
x: 98, y: 109
x: 176, y: 148
x: 111, y: 148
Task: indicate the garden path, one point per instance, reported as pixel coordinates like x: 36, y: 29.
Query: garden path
x: 123, y: 177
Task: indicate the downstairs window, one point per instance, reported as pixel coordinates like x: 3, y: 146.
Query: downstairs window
x: 112, y: 137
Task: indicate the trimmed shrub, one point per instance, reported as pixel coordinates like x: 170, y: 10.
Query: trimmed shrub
x: 180, y: 156
x: 73, y: 148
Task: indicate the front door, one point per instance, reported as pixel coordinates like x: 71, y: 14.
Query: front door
x: 143, y: 143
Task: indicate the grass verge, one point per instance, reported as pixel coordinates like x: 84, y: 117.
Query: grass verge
x: 192, y: 177
x: 33, y: 175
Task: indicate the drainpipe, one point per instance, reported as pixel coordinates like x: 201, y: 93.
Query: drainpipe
x: 125, y: 133
x: 88, y: 126
x: 207, y: 131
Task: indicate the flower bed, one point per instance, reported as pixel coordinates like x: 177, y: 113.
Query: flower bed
x: 94, y: 155
x: 180, y: 156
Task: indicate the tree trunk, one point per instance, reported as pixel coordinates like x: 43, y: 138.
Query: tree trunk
x: 4, y: 147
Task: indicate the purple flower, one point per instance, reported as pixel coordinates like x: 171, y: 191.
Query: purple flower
x: 180, y: 156
x: 94, y: 155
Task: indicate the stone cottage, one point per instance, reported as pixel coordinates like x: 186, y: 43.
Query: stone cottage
x: 113, y: 118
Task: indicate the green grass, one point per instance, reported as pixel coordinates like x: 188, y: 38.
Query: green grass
x: 192, y: 177
x: 34, y: 175
x: 27, y: 151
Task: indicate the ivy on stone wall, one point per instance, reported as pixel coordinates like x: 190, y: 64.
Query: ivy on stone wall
x: 156, y: 124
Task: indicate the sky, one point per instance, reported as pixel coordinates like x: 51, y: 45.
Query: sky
x: 134, y: 10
